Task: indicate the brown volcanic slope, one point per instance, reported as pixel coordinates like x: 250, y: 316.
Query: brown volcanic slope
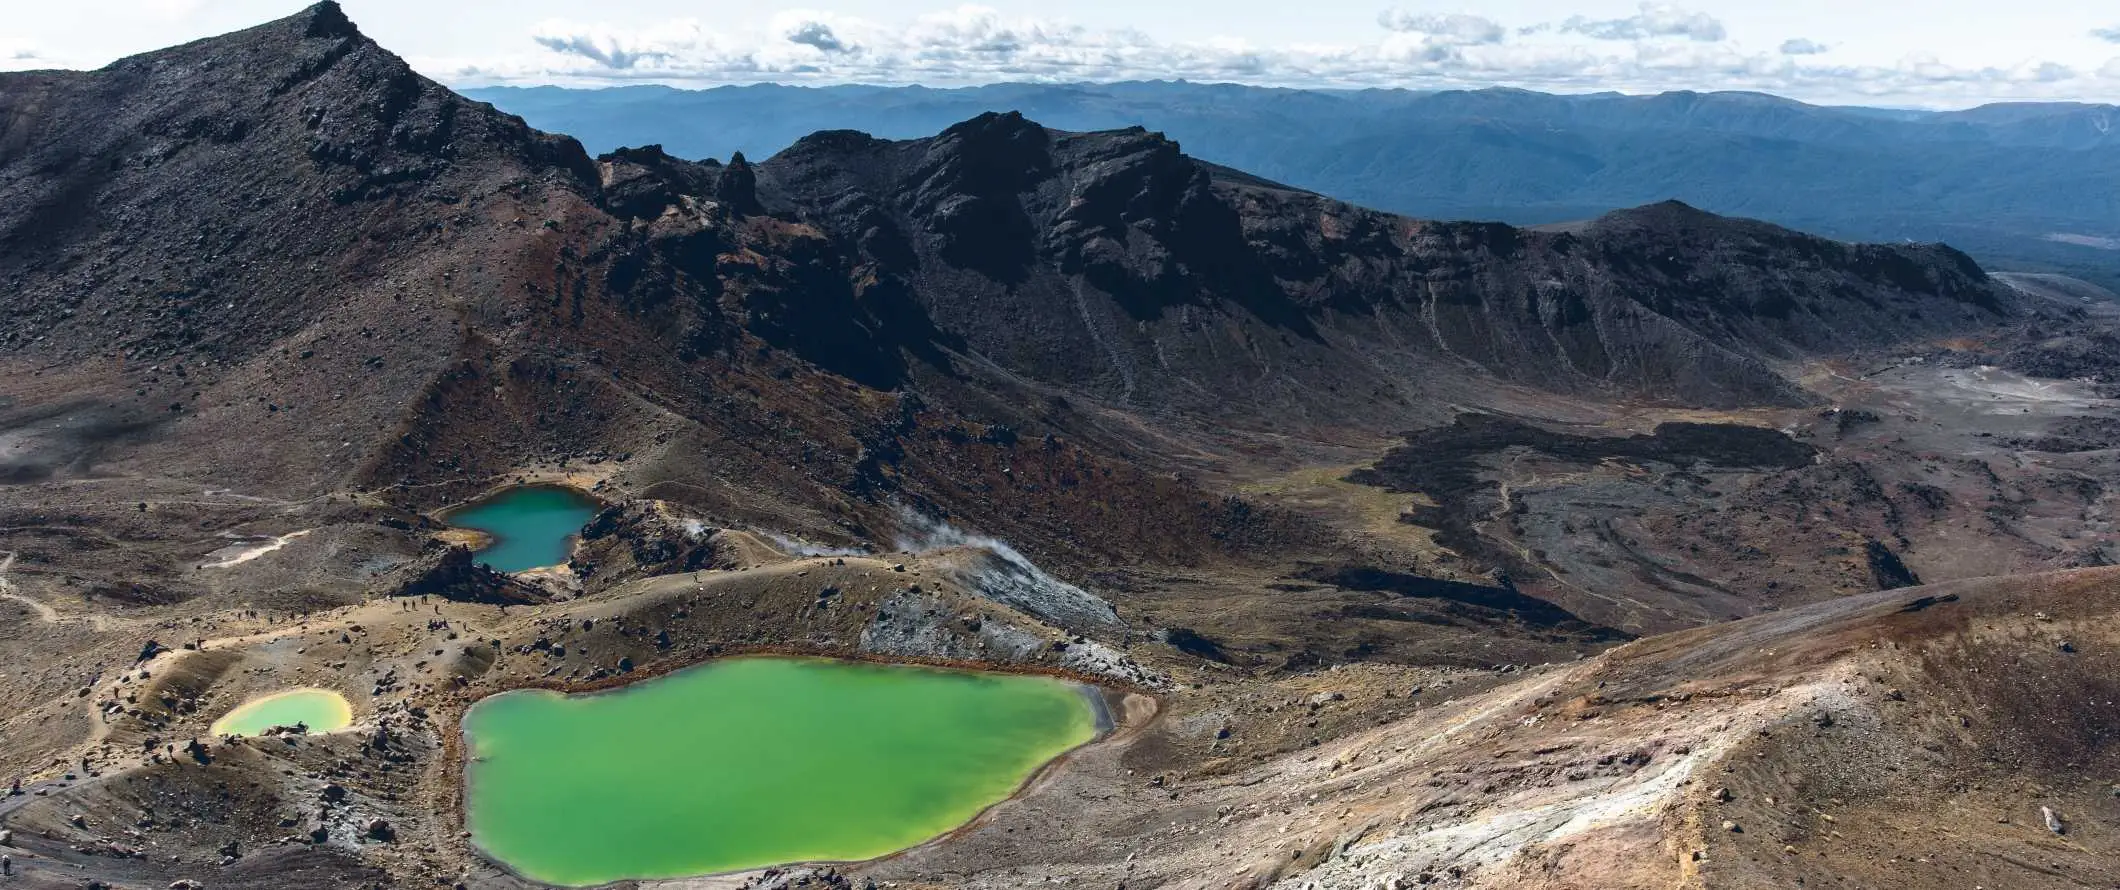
x: 286, y: 236
x: 271, y: 300
x: 276, y: 282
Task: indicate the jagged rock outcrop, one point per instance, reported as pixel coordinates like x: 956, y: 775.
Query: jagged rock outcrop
x: 645, y: 182
x: 639, y: 539
x: 737, y: 187
x: 451, y: 573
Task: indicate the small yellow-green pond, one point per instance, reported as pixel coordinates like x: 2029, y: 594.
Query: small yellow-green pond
x: 752, y: 762
x: 321, y: 710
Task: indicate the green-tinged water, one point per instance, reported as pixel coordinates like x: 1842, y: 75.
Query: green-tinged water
x: 751, y: 762
x: 531, y: 526
x: 319, y: 709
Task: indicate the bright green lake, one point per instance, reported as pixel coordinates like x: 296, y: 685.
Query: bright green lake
x: 320, y: 709
x: 531, y: 526
x: 751, y: 762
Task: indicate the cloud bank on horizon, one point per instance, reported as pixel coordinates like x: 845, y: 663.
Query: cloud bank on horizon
x: 1648, y: 47
x: 1660, y: 47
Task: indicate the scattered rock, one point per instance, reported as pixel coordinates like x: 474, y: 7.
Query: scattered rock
x: 2053, y: 820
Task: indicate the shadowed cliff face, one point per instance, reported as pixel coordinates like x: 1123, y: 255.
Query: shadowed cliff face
x: 1113, y: 259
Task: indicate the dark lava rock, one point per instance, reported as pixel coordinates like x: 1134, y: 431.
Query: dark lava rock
x: 452, y: 573
x: 737, y: 187
x: 1886, y: 568
x: 639, y: 539
x: 1446, y: 463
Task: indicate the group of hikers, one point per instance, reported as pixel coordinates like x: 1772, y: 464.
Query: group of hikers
x: 7, y: 863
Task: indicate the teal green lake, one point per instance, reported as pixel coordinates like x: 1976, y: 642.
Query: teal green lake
x: 752, y: 762
x: 322, y: 710
x: 531, y: 526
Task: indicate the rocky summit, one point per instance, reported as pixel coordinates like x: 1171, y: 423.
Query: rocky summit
x: 1659, y: 549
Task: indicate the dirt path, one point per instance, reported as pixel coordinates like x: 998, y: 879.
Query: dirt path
x: 7, y: 591
x: 240, y: 553
x: 46, y: 613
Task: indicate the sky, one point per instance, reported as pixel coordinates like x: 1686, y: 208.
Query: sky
x: 1937, y: 53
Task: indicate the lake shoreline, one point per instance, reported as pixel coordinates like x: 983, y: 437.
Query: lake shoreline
x: 342, y: 715
x: 521, y: 528
x: 1110, y: 710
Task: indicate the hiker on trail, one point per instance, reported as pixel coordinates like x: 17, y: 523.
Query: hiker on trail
x: 7, y: 865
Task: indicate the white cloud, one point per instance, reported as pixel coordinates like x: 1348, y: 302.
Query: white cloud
x: 1661, y: 48
x: 20, y: 55
x: 817, y: 34
x: 1456, y: 28
x: 2111, y: 35
x: 1654, y: 20
x: 2042, y: 72
x: 617, y: 50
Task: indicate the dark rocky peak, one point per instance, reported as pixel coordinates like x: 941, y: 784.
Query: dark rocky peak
x: 737, y: 187
x: 1662, y: 213
x: 1679, y: 223
x: 1126, y: 208
x: 1693, y: 248
x: 1007, y: 233
x: 989, y: 156
x: 639, y: 183
x: 967, y: 188
x: 1134, y: 178
x: 1144, y: 223
x: 830, y: 143
x: 218, y: 165
x: 312, y: 78
x: 646, y: 155
x: 327, y: 20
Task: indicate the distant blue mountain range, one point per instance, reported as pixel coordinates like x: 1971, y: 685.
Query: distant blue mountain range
x: 2031, y: 186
